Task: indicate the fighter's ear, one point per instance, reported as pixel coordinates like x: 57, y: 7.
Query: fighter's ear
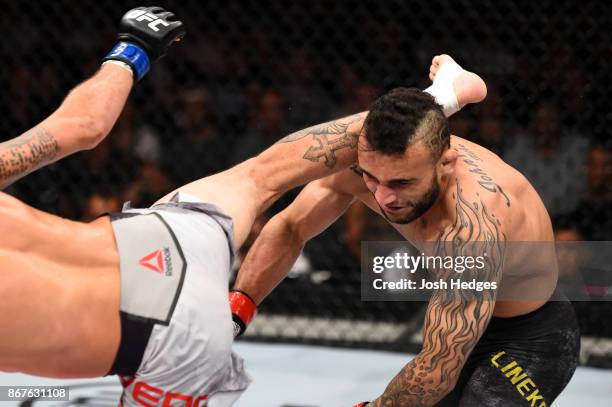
x: 447, y: 161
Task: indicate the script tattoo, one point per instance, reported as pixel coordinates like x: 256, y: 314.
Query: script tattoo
x: 484, y: 180
x: 328, y: 138
x: 455, y: 318
x: 25, y: 153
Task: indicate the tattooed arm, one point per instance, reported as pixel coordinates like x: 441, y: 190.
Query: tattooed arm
x: 326, y: 148
x: 309, y: 154
x: 84, y: 118
x: 26, y: 153
x: 455, y: 319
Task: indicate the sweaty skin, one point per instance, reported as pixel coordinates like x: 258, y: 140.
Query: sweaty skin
x: 509, y: 196
x: 61, y: 279
x: 481, y: 198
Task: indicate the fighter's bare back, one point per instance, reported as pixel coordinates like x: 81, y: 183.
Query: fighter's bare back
x: 60, y: 285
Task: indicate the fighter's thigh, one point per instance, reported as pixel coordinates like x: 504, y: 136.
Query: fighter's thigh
x: 148, y: 392
x: 190, y: 358
x: 234, y: 193
x: 186, y: 361
x: 517, y: 379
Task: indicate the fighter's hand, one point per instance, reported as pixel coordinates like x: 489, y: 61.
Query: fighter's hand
x: 454, y: 87
x: 145, y: 33
x: 363, y: 404
x: 243, y: 310
x: 153, y: 28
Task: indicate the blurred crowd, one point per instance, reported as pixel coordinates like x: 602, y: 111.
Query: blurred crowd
x: 201, y: 128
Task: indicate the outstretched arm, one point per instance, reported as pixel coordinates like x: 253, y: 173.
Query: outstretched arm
x: 322, y: 150
x: 332, y: 146
x: 84, y: 118
x: 247, y: 189
x: 90, y: 110
x: 280, y: 242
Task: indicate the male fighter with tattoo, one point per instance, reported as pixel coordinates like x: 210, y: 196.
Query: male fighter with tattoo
x: 437, y: 188
x: 142, y: 293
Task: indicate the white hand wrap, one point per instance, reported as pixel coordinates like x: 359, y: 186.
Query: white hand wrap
x: 442, y: 88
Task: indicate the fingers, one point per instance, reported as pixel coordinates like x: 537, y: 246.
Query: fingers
x: 436, y: 62
x: 155, y: 9
x: 433, y: 69
x: 176, y: 25
x: 166, y: 15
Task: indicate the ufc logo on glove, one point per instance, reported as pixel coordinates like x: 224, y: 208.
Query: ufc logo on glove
x: 143, y: 15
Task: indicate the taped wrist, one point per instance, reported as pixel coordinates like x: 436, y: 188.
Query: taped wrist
x: 131, y: 54
x: 442, y: 88
x: 243, y: 310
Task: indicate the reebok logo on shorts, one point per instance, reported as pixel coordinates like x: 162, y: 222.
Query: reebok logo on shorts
x: 153, y: 261
x: 158, y: 261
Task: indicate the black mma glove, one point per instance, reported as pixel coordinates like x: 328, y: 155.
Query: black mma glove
x: 145, y: 33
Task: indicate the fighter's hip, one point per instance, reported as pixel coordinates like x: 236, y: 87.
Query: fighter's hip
x: 62, y: 317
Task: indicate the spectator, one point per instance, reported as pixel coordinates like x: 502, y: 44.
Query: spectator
x: 267, y: 127
x: 307, y: 100
x: 100, y: 203
x: 198, y: 142
x: 150, y: 184
x: 552, y: 159
x: 136, y: 138
x: 491, y: 130
x: 593, y: 214
x: 571, y: 255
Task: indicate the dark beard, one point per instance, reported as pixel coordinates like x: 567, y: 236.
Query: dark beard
x: 420, y: 207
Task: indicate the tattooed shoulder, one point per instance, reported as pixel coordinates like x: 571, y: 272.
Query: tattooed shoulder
x: 474, y: 164
x: 475, y: 218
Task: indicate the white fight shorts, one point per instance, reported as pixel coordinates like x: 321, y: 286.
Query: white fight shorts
x: 175, y: 261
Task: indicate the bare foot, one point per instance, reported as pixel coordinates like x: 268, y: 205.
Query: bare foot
x: 468, y: 87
